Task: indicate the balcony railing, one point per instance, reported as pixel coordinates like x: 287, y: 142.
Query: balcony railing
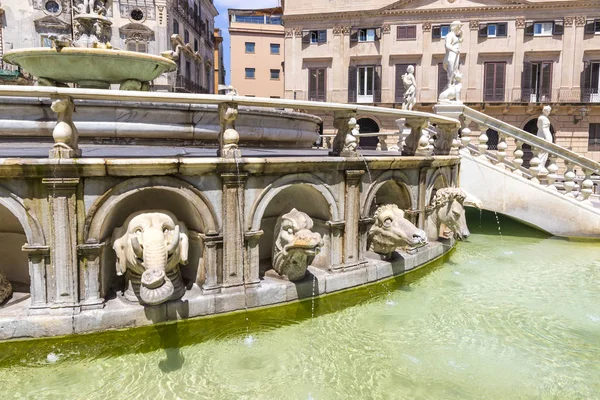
x: 182, y: 84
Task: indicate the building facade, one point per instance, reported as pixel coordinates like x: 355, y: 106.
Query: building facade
x: 220, y: 72
x: 145, y: 26
x: 257, y: 52
x: 516, y: 57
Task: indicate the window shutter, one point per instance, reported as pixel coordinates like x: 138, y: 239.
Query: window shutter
x: 401, y: 32
x: 352, y: 85
x: 442, y: 79
x: 322, y: 36
x: 377, y: 34
x: 354, y: 35
x: 399, y: 90
x: 436, y: 32
x: 586, y: 82
x: 597, y: 25
x: 411, y: 32
x: 526, y: 82
x: 489, y: 81
x: 305, y: 37
x: 546, y: 86
x: 558, y: 28
x: 590, y: 27
x: 142, y: 47
x: 322, y: 84
x: 502, y: 29
x: 482, y: 30
x: 131, y: 46
x: 312, y: 84
x: 500, y: 81
x: 377, y: 87
x: 529, y: 29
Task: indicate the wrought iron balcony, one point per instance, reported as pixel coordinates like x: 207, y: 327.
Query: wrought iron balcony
x: 182, y: 84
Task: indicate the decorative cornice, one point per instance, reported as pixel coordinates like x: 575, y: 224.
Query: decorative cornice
x: 520, y: 22
x: 426, y: 26
x: 474, y: 24
x: 579, y: 21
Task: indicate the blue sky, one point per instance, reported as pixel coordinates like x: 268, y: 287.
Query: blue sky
x: 222, y: 21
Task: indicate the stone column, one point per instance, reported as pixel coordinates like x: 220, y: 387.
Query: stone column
x: 63, y: 241
x: 252, y: 259
x: 212, y: 283
x: 233, y: 236
x: 344, y: 143
x: 351, y: 235
x: 38, y: 260
x: 89, y: 276
x: 336, y: 229
x: 422, y: 200
x: 364, y: 224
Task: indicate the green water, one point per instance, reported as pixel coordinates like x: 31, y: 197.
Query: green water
x: 515, y: 316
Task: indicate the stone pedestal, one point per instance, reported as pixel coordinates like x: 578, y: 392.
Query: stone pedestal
x: 38, y: 261
x: 89, y: 267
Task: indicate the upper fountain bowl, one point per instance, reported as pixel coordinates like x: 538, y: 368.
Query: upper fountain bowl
x: 90, y: 67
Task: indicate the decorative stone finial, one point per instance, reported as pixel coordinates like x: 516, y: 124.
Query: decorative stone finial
x: 64, y: 133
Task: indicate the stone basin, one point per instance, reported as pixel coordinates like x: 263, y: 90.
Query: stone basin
x: 90, y: 67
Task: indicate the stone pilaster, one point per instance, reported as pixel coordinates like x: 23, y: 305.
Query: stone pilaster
x: 336, y: 229
x: 351, y: 235
x: 63, y: 240
x: 212, y: 281
x: 252, y: 261
x: 38, y: 257
x: 233, y: 236
x: 89, y: 275
x: 363, y: 227
x: 422, y: 200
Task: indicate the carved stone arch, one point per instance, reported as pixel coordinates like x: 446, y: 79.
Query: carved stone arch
x: 260, y: 205
x: 31, y: 226
x: 396, y: 176
x: 444, y: 174
x: 96, y: 230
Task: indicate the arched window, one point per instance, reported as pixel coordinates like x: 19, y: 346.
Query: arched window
x: 175, y: 27
x: 367, y: 125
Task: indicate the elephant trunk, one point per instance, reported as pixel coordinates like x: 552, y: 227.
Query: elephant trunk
x: 156, y: 287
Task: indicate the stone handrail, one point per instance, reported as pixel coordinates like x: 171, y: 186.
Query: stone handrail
x: 345, y: 142
x: 537, y: 171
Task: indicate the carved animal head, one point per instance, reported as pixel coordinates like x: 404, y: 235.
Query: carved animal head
x: 392, y: 230
x: 448, y: 207
x: 295, y: 244
x: 150, y: 246
x: 5, y: 288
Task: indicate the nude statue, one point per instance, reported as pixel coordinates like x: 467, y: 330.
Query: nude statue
x: 410, y: 86
x: 543, y: 131
x: 452, y: 59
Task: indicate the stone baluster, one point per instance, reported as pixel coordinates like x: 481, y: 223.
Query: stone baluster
x: 417, y: 143
x: 502, y: 146
x: 344, y: 143
x: 552, y: 169
x: 483, y: 139
x: 534, y: 165
x: 228, y: 137
x: 587, y: 186
x: 569, y: 184
x: 518, y: 159
x: 465, y: 137
x: 65, y: 133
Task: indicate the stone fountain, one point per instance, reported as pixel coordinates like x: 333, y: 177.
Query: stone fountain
x: 88, y: 59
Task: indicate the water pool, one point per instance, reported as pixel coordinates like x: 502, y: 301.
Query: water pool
x: 515, y: 316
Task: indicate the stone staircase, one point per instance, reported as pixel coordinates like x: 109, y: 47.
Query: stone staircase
x: 553, y: 198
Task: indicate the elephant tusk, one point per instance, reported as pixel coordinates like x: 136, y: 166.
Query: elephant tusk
x: 175, y: 241
x: 137, y: 249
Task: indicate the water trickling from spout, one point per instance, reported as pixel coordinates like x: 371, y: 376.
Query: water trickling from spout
x: 499, y: 229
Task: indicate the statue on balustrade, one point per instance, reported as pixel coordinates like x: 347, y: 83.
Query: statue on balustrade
x: 410, y: 88
x: 391, y: 230
x: 453, y: 42
x: 5, y: 288
x: 150, y: 247
x: 543, y: 131
x: 446, y: 215
x: 296, y: 245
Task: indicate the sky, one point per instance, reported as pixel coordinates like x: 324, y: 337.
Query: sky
x: 222, y: 21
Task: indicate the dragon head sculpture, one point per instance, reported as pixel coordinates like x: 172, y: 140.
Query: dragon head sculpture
x: 392, y: 230
x: 150, y: 246
x: 295, y: 245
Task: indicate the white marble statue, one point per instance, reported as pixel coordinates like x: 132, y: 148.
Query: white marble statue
x: 447, y: 213
x: 5, y: 288
x: 543, y: 131
x: 392, y: 230
x: 296, y: 245
x: 451, y: 63
x: 150, y: 246
x: 452, y: 92
x: 410, y: 87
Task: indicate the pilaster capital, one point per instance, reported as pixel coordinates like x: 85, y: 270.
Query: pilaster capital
x: 569, y: 20
x: 90, y: 249
x: 474, y: 24
x: 386, y: 28
x: 336, y: 225
x: 426, y: 26
x: 253, y: 236
x: 36, y: 250
x: 520, y: 22
x: 289, y: 33
x: 298, y: 32
x: 580, y: 21
x: 234, y: 180
x: 354, y: 175
x: 61, y: 183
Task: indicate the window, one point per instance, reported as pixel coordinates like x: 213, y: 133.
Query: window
x: 499, y: 29
x: 250, y: 73
x: 250, y: 47
x: 46, y: 42
x: 442, y: 78
x: 590, y: 84
x: 494, y: 81
x: 314, y: 37
x: 401, y: 70
x: 139, y: 46
x: 275, y: 74
x: 592, y: 27
x: 195, y: 45
x: 275, y: 47
x: 175, y: 27
x: 317, y: 84
x: 406, y: 32
x: 546, y: 28
x: 492, y: 142
x: 440, y: 31
x: 594, y: 138
x: 364, y: 84
x: 53, y: 7
x: 537, y: 82
x: 365, y: 35
x: 137, y: 14
x: 275, y: 97
x: 186, y: 36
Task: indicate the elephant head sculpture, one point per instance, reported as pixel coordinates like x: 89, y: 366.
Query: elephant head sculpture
x: 392, y: 230
x: 447, y: 209
x: 150, y: 246
x: 5, y: 288
x: 295, y: 245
